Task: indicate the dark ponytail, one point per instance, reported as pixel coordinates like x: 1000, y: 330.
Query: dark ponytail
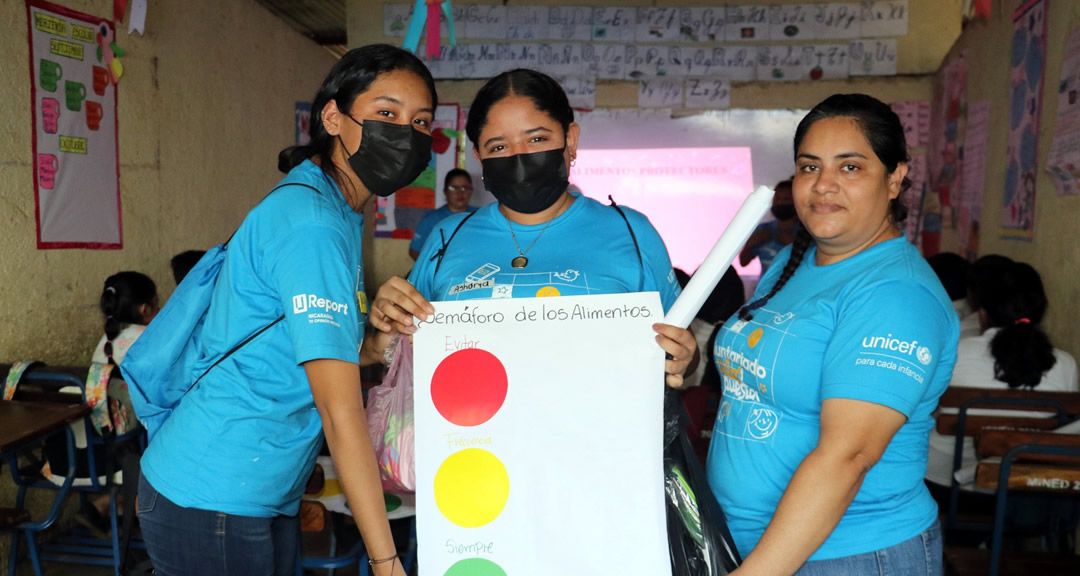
x: 802, y: 243
x: 350, y: 77
x: 882, y: 129
x: 124, y: 294
x: 1015, y: 302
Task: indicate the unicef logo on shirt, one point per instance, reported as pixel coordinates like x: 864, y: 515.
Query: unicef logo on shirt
x: 924, y: 355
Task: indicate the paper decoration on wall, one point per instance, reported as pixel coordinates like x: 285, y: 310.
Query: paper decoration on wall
x: 873, y: 57
x: 502, y: 432
x: 1063, y: 164
x: 119, y: 7
x: 914, y: 197
x: 302, y: 122
x: 945, y: 154
x: 714, y: 93
x: 884, y: 18
x: 396, y: 216
x: 915, y: 117
x: 644, y: 25
x: 425, y: 20
x: 108, y: 52
x: 660, y: 93
x: 138, y: 17
x: 633, y: 62
x: 76, y: 184
x: 969, y: 212
x: 1026, y: 83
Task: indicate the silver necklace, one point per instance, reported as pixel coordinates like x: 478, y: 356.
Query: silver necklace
x: 520, y: 261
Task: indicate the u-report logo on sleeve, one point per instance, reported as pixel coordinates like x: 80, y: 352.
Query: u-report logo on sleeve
x: 303, y: 302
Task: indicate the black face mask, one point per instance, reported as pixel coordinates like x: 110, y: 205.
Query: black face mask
x: 527, y: 183
x: 390, y: 155
x: 783, y: 211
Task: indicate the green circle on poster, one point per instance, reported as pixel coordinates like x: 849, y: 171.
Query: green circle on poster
x: 392, y: 502
x: 475, y: 567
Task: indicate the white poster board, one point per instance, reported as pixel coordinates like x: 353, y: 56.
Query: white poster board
x: 539, y: 430
x: 76, y: 172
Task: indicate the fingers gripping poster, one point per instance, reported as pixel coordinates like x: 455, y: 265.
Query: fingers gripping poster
x: 73, y: 88
x: 539, y: 430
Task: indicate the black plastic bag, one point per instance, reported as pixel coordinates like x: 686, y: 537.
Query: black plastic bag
x: 698, y: 536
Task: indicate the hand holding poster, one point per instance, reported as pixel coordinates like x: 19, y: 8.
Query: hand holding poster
x: 76, y: 182
x: 539, y: 437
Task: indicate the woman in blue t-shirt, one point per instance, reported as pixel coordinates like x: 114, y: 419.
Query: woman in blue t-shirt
x: 831, y: 373
x: 539, y: 238
x: 223, y: 476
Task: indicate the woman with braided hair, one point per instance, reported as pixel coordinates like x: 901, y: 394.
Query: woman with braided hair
x: 833, y: 369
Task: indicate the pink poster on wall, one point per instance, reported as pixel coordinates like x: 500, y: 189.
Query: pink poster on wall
x: 73, y: 105
x: 689, y: 194
x: 1026, y: 82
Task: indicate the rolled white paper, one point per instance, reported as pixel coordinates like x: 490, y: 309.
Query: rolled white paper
x: 720, y: 257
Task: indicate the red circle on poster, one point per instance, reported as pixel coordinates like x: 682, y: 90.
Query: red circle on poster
x: 469, y: 387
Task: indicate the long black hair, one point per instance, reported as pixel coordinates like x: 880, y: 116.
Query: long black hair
x: 544, y: 91
x: 882, y: 129
x: 121, y: 300
x: 350, y: 77
x: 1015, y: 303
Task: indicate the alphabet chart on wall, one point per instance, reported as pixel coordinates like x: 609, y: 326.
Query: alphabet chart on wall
x: 539, y: 428
x: 73, y: 87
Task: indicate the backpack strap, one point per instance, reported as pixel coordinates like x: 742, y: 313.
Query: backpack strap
x: 438, y: 257
x: 637, y: 248
x: 264, y: 328
x: 225, y: 245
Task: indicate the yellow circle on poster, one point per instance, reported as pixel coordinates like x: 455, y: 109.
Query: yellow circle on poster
x: 471, y: 488
x: 547, y: 291
x: 755, y: 337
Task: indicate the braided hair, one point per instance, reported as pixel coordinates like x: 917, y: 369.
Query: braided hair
x: 882, y: 129
x: 1015, y: 302
x: 121, y: 300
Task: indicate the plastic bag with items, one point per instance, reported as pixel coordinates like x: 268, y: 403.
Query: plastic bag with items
x: 390, y: 421
x: 698, y: 536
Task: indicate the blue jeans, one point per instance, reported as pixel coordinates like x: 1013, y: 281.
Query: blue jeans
x: 919, y: 556
x: 188, y: 541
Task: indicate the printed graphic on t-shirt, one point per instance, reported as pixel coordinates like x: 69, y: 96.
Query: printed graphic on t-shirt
x: 493, y: 281
x: 746, y: 356
x: 892, y: 353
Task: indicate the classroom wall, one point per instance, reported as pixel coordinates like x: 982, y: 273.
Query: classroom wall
x: 932, y: 28
x: 205, y: 104
x: 1053, y: 250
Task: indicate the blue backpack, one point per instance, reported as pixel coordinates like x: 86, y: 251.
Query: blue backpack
x: 162, y: 366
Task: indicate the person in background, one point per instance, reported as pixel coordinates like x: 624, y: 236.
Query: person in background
x: 223, y: 476
x: 183, y: 262
x: 769, y: 238
x: 832, y: 371
x: 1013, y: 351
x: 725, y: 300
x: 981, y: 273
x: 458, y: 189
x: 523, y: 132
x: 128, y: 302
x: 952, y: 269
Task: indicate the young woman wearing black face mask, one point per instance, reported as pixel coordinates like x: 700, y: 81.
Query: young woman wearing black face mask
x: 223, y: 476
x: 539, y: 239
x: 771, y: 237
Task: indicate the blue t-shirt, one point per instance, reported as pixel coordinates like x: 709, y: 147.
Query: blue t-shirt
x: 424, y: 228
x: 876, y: 327
x: 587, y: 249
x: 244, y: 439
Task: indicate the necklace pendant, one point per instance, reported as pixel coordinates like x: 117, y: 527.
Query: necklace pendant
x: 519, y: 262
